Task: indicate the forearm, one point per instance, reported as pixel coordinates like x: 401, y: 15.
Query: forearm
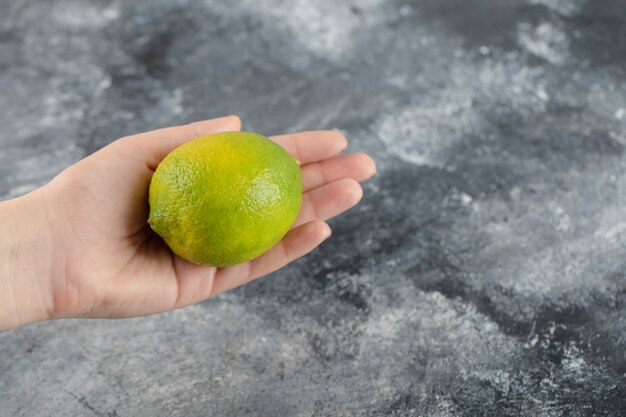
x: 25, y: 255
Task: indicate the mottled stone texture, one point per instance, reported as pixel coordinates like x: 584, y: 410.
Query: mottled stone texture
x: 484, y: 274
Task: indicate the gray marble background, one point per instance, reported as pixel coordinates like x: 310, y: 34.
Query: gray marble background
x: 484, y: 274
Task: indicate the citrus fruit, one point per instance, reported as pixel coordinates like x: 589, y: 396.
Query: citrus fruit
x: 225, y: 198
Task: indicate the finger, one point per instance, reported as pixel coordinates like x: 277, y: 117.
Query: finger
x: 357, y: 166
x: 298, y: 242
x: 155, y: 145
x: 194, y: 282
x: 312, y: 146
x: 329, y: 200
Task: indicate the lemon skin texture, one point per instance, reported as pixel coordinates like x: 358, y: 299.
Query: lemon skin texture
x: 225, y: 198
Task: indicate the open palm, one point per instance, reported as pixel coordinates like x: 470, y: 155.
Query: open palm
x: 108, y: 262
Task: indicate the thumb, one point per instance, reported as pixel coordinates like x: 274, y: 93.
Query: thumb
x: 153, y: 146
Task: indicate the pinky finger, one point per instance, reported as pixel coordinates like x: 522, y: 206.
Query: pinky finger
x: 298, y: 242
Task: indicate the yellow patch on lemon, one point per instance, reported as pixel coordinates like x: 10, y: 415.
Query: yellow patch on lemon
x: 225, y: 198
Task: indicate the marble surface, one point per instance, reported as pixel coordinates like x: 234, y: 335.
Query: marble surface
x: 484, y: 274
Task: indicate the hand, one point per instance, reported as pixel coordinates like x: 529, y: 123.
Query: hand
x: 104, y: 261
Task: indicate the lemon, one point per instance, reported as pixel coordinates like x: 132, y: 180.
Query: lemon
x: 225, y: 198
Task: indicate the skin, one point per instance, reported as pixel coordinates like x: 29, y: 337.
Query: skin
x: 80, y: 246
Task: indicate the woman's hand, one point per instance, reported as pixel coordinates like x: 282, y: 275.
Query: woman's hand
x: 85, y: 250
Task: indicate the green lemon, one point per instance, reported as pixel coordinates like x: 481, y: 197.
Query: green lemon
x: 225, y: 198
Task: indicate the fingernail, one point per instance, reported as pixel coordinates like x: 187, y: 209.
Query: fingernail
x: 230, y: 117
x: 344, y: 141
x: 327, y: 232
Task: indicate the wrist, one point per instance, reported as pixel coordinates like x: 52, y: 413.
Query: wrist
x: 25, y: 261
